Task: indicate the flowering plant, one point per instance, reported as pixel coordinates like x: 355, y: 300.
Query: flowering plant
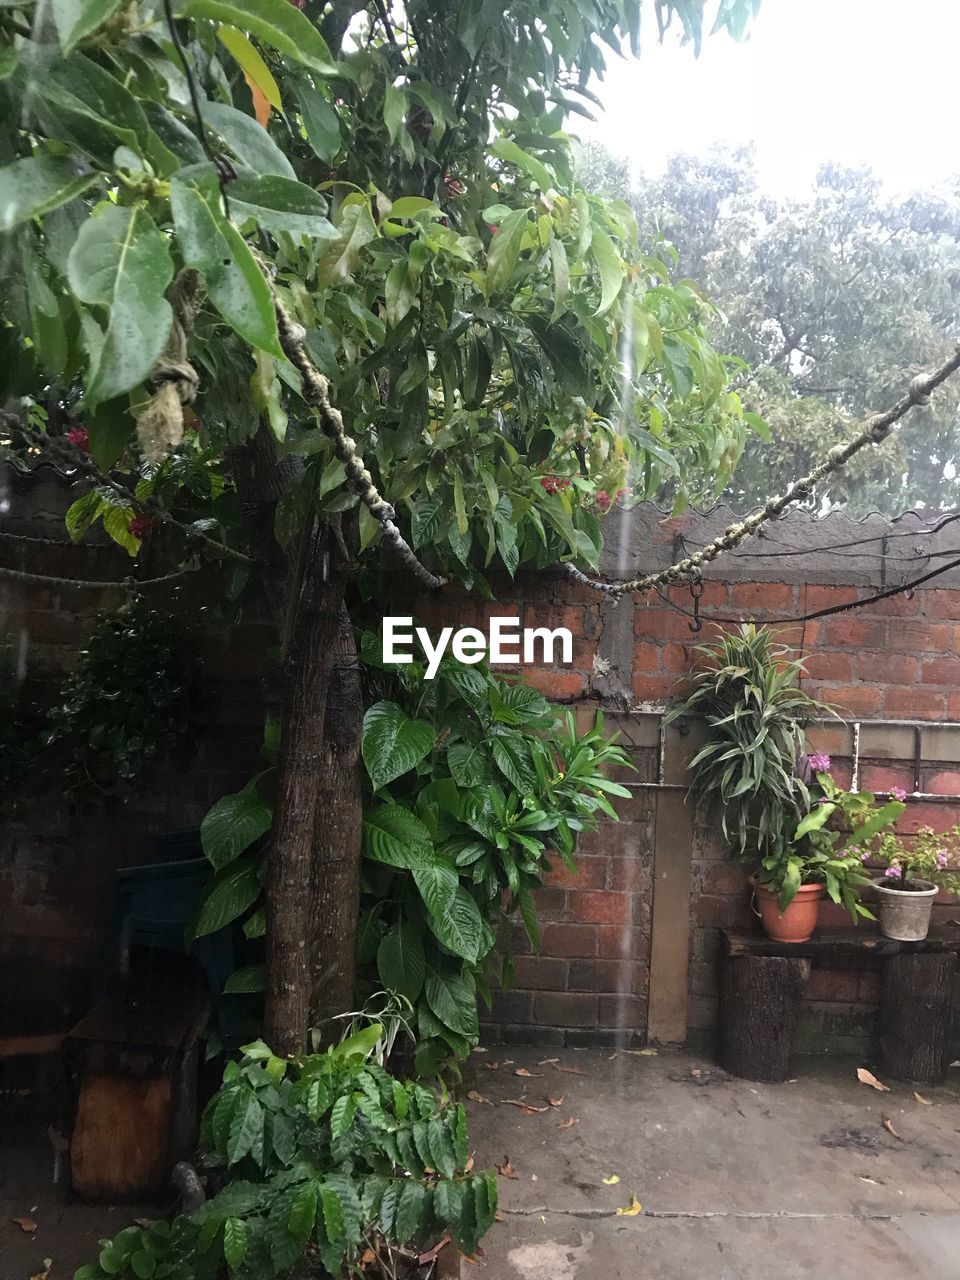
x: 829, y: 843
x: 928, y: 856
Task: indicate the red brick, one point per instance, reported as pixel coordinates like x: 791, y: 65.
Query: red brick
x: 853, y: 699
x: 617, y: 942
x: 576, y: 1009
x: 621, y: 1011
x: 724, y: 879
x: 646, y: 657
x: 942, y: 604
x: 954, y: 706
x: 553, y: 616
x: 882, y: 777
x: 568, y: 940
x: 761, y: 595
x: 651, y: 688
x: 551, y: 903
x: 914, y: 702
x: 590, y: 873
x: 717, y: 913
x: 907, y: 605
x: 559, y: 686
x: 632, y: 875
x: 851, y: 633
x: 512, y: 1006
x: 833, y: 984
x: 541, y: 973
x: 941, y: 671
x: 602, y: 975
x: 889, y: 668
x: 871, y: 985
x: 938, y: 816
x: 945, y: 783
x: 660, y: 624
x: 598, y: 906
x: 828, y: 665
x: 919, y: 637
x: 813, y: 598
x: 678, y: 657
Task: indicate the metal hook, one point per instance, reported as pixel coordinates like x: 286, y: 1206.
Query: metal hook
x: 696, y: 591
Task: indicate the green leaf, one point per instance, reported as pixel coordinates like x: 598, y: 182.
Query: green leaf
x: 116, y: 522
x: 232, y: 825
x: 76, y: 19
x: 394, y: 111
x: 400, y: 960
x: 281, y: 204
x: 361, y: 1043
x: 214, y: 246
x: 234, y: 1242
x: 505, y: 250
x: 246, y: 1130
x: 232, y: 892
x: 32, y: 187
x: 507, y: 149
x: 468, y: 764
x: 452, y: 1000
x: 531, y: 921
x: 251, y: 978
x: 121, y: 262
x: 610, y: 265
x: 303, y: 1213
x: 393, y: 834
x: 111, y: 429
x: 248, y: 140
x: 144, y: 1264
x: 82, y: 513
x: 392, y: 743
x: 409, y: 1211
x: 320, y: 121
x: 561, y: 277
x: 251, y: 63
x: 454, y: 915
x: 278, y: 24
x: 513, y: 760
x: 410, y: 206
x: 342, y: 1114
x: 342, y: 257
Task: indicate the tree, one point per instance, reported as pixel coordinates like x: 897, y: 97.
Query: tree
x: 834, y: 300
x: 242, y: 232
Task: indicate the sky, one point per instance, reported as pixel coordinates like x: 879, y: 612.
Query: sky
x: 852, y: 81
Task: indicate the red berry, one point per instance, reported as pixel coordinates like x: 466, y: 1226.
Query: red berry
x: 603, y: 499
x: 141, y: 525
x: 80, y: 437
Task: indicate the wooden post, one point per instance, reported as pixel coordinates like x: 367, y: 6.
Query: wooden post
x: 670, y: 926
x: 759, y: 1003
x: 915, y: 1015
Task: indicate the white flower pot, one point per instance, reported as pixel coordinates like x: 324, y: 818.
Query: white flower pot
x: 905, y: 913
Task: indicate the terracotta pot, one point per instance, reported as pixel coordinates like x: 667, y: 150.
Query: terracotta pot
x: 905, y: 913
x: 799, y: 920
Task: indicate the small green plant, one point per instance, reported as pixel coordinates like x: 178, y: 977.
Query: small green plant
x: 828, y: 845
x: 127, y: 699
x: 326, y: 1159
x: 746, y: 688
x: 929, y: 855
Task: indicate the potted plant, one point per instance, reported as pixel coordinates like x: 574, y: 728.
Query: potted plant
x: 777, y: 805
x: 825, y: 855
x: 915, y: 873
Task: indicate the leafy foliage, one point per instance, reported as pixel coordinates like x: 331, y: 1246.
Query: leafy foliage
x: 457, y: 842
x: 929, y: 855
x: 323, y: 1157
x: 746, y: 687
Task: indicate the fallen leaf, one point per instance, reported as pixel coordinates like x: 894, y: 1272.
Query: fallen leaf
x: 25, y: 1224
x: 525, y: 1106
x: 45, y: 1273
x: 631, y: 1210
x: 468, y: 1167
x: 888, y: 1125
x: 492, y: 1066
x: 552, y: 1062
x: 641, y: 1053
x: 569, y: 1123
x: 873, y: 1182
x: 369, y: 1255
x: 867, y: 1077
x: 478, y: 1097
x: 611, y: 1181
x: 558, y: 1101
x: 956, y: 1063
x: 529, y: 1075
x: 506, y: 1170
x: 479, y: 1048
x: 572, y: 1071
x: 498, y: 1216
x: 432, y: 1254
x: 925, y: 1101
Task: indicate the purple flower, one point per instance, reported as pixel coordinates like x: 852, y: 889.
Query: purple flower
x: 894, y: 873
x: 865, y: 856
x: 819, y: 761
x: 942, y: 859
x: 898, y: 793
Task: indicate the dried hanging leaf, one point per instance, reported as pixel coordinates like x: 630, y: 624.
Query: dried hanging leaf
x: 506, y: 1170
x: 478, y: 1097
x: 611, y: 1181
x: 28, y: 1224
x: 921, y: 1099
x: 867, y: 1077
x: 558, y: 1101
x: 569, y: 1122
x: 528, y: 1075
x: 631, y: 1210
x: 432, y: 1254
x: 888, y: 1125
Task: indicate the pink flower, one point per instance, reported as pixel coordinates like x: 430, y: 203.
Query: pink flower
x: 819, y: 761
x: 865, y: 856
x: 141, y: 525
x: 554, y: 484
x: 942, y: 859
x: 898, y: 793
x: 80, y: 437
x: 894, y: 873
x: 603, y: 499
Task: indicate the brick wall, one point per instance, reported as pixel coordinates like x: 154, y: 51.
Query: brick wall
x: 629, y: 943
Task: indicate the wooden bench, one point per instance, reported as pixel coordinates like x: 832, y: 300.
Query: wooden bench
x: 763, y: 981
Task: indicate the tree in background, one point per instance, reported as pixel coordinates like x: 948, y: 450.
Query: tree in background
x: 834, y: 300
x: 312, y: 293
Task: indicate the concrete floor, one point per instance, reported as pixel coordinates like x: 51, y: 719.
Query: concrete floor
x: 738, y: 1181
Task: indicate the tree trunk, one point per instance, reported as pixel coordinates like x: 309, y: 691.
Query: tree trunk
x: 759, y: 1002
x: 915, y: 1016
x: 335, y: 883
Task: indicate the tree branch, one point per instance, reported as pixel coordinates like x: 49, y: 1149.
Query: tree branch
x: 874, y: 431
